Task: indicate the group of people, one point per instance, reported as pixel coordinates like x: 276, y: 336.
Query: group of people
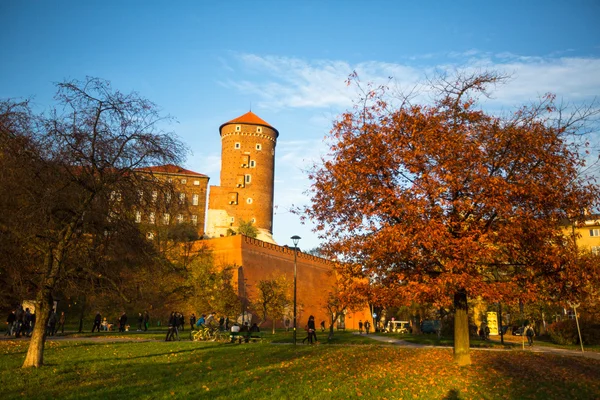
x: 102, y: 324
x: 245, y: 328
x: 20, y: 322
x: 366, y: 325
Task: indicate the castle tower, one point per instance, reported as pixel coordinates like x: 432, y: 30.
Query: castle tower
x: 247, y: 178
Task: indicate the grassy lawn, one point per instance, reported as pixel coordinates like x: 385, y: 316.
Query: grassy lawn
x: 96, y: 370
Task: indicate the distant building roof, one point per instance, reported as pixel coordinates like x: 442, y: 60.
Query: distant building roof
x: 171, y: 169
x: 249, y: 118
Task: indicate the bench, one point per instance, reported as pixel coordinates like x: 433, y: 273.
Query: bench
x: 246, y: 336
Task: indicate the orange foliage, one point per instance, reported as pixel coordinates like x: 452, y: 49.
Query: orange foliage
x: 431, y: 199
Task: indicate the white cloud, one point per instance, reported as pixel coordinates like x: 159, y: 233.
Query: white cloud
x: 285, y: 82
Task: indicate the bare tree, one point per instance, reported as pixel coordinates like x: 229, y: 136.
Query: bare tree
x: 82, y: 158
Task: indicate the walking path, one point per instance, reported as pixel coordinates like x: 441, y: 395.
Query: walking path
x: 533, y: 349
x: 384, y: 339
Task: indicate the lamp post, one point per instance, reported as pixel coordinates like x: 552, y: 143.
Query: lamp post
x: 295, y: 240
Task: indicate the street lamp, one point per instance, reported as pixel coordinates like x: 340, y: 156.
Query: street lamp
x: 295, y: 239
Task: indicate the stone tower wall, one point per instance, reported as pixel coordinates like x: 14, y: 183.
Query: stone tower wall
x: 247, y: 180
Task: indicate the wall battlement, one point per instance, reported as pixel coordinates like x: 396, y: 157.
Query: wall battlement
x: 285, y: 250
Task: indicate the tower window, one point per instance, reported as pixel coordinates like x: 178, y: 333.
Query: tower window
x: 232, y: 219
x: 258, y: 146
x: 259, y: 129
x: 181, y: 198
x: 248, y: 178
x: 249, y: 200
x: 151, y: 218
x: 253, y: 220
x: 594, y: 232
x: 138, y: 217
x: 183, y: 181
x: 179, y: 218
x: 238, y: 128
x: 195, y: 199
x: 166, y: 219
x: 252, y: 163
x: 238, y: 145
x: 194, y: 220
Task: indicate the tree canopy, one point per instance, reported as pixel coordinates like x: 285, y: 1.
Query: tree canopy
x: 444, y: 199
x: 69, y: 187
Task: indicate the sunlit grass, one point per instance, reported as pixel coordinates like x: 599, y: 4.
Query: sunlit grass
x: 92, y: 370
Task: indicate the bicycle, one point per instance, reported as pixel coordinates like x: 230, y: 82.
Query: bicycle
x: 206, y: 333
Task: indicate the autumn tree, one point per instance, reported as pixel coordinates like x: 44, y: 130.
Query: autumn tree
x: 76, y: 167
x: 272, y: 298
x: 428, y: 199
x: 348, y: 294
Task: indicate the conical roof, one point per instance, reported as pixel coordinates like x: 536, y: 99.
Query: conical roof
x: 251, y: 119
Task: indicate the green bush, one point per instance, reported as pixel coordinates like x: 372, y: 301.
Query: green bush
x: 565, y: 332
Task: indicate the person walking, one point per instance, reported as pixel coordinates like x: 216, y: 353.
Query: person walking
x: 10, y: 321
x: 140, y: 322
x: 323, y: 326
x: 172, y: 330
x: 192, y: 321
x: 52, y: 320
x: 530, y: 333
x: 312, y: 330
x: 122, y: 322
x: 367, y: 327
x: 19, y: 321
x: 146, y: 320
x: 27, y: 322
x: 97, y: 322
x: 360, y: 326
x: 61, y: 322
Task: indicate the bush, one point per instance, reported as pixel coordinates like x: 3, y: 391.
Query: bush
x: 565, y: 332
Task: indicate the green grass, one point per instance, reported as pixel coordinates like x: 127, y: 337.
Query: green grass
x: 157, y: 370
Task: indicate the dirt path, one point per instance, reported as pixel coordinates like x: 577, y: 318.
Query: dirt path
x: 533, y: 349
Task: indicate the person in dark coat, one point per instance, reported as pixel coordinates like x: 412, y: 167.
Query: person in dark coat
x: 19, y: 322
x: 52, y: 320
x: 367, y: 327
x: 61, y: 322
x: 192, y: 321
x: 97, y: 322
x: 10, y: 321
x: 122, y: 322
x: 146, y: 320
x: 312, y: 330
x: 173, y: 321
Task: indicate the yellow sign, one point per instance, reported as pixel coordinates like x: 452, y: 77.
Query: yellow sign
x: 492, y: 322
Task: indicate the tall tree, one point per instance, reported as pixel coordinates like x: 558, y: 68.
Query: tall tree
x: 271, y: 298
x: 428, y: 199
x: 81, y: 159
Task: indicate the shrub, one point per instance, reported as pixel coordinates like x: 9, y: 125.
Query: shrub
x: 565, y: 332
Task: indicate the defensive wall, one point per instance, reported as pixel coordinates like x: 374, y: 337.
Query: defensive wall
x: 258, y: 260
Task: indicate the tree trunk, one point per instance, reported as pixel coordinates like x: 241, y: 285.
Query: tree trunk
x: 461, y: 329
x: 82, y: 313
x: 333, y: 318
x: 500, y: 322
x: 35, y: 353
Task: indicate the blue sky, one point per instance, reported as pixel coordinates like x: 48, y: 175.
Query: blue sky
x: 207, y: 62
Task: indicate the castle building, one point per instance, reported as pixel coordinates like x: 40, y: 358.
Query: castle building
x: 246, y: 193
x: 189, y: 204
x: 247, y: 178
